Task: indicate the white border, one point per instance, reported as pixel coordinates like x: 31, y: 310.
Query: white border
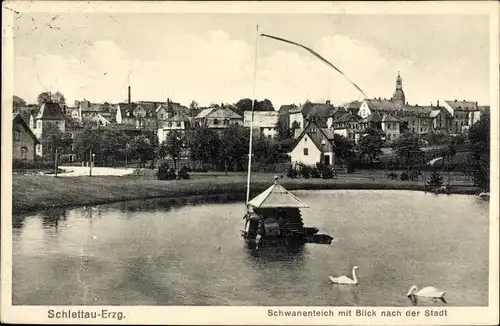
x: 246, y: 315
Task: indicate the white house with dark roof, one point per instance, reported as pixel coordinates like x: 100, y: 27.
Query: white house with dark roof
x: 314, y: 145
x: 263, y: 121
x: 180, y: 121
x: 49, y: 113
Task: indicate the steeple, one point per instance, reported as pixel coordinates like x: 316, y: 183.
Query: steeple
x: 399, y: 95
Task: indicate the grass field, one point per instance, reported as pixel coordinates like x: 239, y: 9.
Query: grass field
x: 32, y: 192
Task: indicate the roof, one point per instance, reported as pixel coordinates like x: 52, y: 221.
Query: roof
x: 275, y: 197
x: 178, y: 116
x: 17, y: 117
x: 262, y: 119
x: 328, y: 133
x: 50, y: 111
x: 347, y: 117
x: 389, y: 118
x: 374, y: 117
x: 219, y: 112
x: 463, y: 105
x: 322, y: 110
x: 354, y: 105
x: 26, y: 112
x: 285, y: 109
x: 383, y: 104
x: 204, y: 113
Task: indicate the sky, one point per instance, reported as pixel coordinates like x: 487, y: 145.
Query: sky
x: 209, y: 58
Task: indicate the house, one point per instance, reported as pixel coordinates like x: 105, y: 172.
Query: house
x: 465, y: 114
x: 390, y: 126
x: 319, y: 111
x: 180, y: 121
x: 139, y: 115
x: 352, y: 107
x: 49, y: 113
x: 284, y: 114
x: 346, y: 125
x: 24, y: 141
x: 264, y: 122
x: 314, y: 145
x: 219, y: 117
x: 74, y: 127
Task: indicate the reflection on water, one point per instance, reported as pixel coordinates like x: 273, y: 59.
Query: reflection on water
x: 170, y: 252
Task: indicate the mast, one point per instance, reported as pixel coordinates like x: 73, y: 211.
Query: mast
x: 251, y: 119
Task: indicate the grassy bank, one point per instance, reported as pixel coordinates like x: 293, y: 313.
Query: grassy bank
x: 32, y: 193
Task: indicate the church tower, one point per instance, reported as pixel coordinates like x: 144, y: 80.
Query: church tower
x: 399, y: 95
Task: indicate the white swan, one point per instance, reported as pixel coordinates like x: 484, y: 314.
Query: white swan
x: 427, y: 292
x: 346, y: 280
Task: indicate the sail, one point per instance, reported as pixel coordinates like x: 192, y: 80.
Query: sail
x: 276, y: 196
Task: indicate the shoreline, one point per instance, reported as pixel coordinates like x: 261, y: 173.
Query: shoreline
x: 38, y: 193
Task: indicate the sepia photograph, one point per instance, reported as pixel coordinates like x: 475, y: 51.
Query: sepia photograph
x: 206, y: 155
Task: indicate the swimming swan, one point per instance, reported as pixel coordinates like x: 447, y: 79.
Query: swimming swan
x: 427, y: 292
x: 345, y: 280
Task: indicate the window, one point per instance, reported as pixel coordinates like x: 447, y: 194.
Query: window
x: 388, y: 136
x: 71, y: 135
x: 39, y: 124
x: 161, y: 116
x: 170, y: 124
x: 421, y: 129
x: 305, y: 139
x: 178, y: 124
x: 306, y: 151
x: 388, y: 126
x: 24, y: 153
x: 216, y: 121
x: 17, y: 135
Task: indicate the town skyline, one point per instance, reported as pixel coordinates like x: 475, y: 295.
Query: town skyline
x: 95, y: 57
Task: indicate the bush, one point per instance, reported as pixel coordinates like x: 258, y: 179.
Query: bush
x: 292, y: 173
x: 392, y: 175
x: 350, y: 167
x: 165, y: 173
x: 436, y: 179
x: 404, y: 176
x: 183, y: 173
x: 327, y: 172
x: 415, y: 175
x: 305, y: 171
x: 31, y: 165
x: 315, y: 173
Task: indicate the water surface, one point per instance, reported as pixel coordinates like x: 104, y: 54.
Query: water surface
x: 155, y: 253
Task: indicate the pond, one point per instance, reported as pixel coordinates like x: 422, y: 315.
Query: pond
x: 154, y: 252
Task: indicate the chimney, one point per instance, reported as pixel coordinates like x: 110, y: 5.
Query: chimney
x: 328, y: 102
x: 129, y: 95
x: 437, y: 102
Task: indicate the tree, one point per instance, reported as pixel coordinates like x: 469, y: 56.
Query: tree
x: 243, y: 105
x: 172, y: 146
x: 17, y: 101
x: 113, y: 143
x: 143, y: 148
x: 343, y: 147
x: 234, y: 140
x: 89, y: 140
x: 44, y: 97
x: 56, y: 97
x: 407, y: 147
x: 370, y: 145
x: 437, y: 137
x: 479, y: 138
x: 282, y: 130
x: 204, y: 145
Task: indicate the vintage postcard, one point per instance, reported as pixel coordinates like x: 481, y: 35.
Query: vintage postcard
x: 250, y: 163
